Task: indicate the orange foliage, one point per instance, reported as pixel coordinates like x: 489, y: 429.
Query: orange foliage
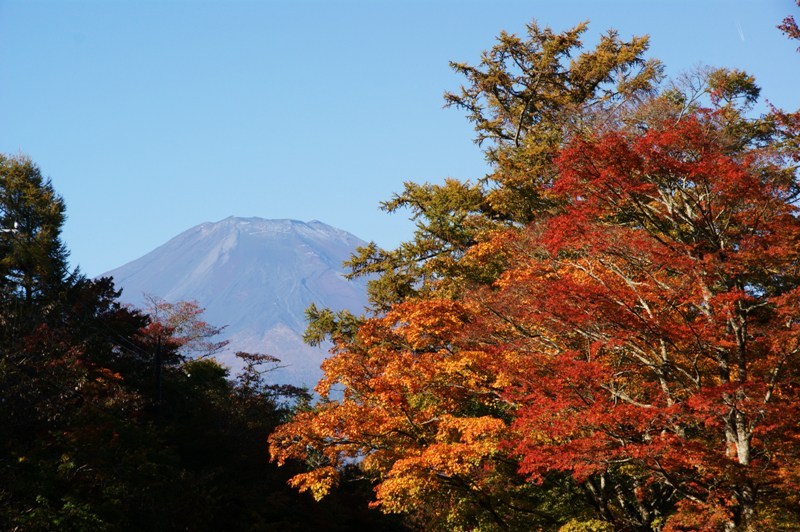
x: 646, y: 333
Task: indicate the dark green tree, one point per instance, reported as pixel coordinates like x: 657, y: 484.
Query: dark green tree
x: 33, y: 260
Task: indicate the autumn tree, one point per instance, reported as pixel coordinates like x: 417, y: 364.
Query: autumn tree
x: 181, y: 324
x: 661, y: 328
x: 522, y: 122
x: 423, y: 412
x: 608, y: 320
x: 525, y: 98
x: 789, y: 27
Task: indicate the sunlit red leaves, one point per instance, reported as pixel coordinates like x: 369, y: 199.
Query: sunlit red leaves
x: 648, y: 328
x: 180, y: 326
x: 668, y: 280
x: 677, y: 181
x: 697, y: 516
x: 789, y: 27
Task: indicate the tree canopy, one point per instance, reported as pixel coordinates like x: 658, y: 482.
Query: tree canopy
x: 602, y: 333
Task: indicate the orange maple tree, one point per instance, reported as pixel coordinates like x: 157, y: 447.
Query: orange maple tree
x: 419, y: 410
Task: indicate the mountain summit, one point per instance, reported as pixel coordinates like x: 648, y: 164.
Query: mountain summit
x: 256, y: 277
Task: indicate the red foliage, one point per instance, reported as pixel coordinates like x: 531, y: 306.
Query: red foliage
x: 662, y: 317
x: 789, y: 27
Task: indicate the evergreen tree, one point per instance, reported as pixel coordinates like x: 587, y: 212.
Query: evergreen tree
x: 33, y: 260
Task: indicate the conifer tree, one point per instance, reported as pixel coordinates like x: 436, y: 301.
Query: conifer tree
x: 33, y: 260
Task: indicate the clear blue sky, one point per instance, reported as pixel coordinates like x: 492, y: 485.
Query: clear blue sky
x: 154, y: 116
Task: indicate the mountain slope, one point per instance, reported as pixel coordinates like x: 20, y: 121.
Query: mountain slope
x: 256, y: 277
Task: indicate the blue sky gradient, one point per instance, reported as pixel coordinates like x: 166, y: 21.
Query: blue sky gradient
x: 151, y: 117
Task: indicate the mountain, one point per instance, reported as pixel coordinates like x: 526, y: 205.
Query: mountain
x: 256, y: 277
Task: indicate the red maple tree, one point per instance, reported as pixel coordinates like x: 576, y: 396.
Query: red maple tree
x: 662, y: 325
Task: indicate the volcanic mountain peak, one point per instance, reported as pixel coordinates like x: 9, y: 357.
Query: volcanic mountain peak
x: 257, y: 277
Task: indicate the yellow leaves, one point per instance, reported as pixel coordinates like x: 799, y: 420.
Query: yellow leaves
x: 403, y: 431
x: 378, y: 462
x: 472, y: 369
x: 336, y: 434
x: 428, y: 323
x: 461, y: 453
x: 415, y: 410
x: 481, y: 432
x: 319, y: 481
x: 484, y: 253
x: 592, y: 525
x: 406, y: 488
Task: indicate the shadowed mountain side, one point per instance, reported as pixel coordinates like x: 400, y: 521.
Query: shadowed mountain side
x: 256, y: 277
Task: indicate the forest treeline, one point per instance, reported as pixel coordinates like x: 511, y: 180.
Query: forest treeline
x: 603, y: 333
x: 113, y: 418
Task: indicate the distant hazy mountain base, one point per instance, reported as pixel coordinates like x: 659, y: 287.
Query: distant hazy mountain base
x: 256, y: 277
